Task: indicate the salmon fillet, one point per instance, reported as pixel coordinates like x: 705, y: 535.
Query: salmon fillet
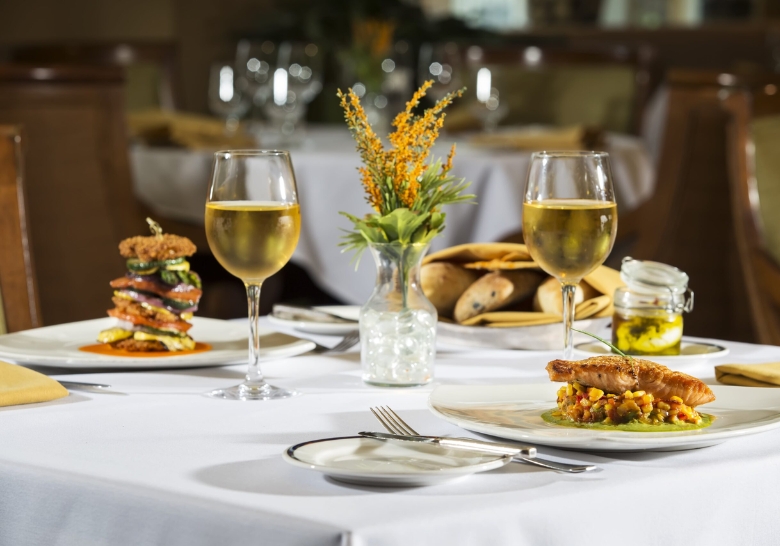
x: 615, y: 375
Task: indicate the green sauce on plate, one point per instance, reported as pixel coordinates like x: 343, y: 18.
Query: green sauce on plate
x: 706, y: 420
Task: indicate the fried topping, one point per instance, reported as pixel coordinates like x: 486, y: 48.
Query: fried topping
x: 157, y: 248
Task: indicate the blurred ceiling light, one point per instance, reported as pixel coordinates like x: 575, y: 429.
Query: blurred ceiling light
x: 770, y: 89
x: 253, y: 64
x: 267, y: 47
x: 474, y: 53
x: 388, y: 65
x: 311, y: 50
x: 727, y: 79
x: 380, y: 101
x: 225, y: 84
x: 483, y: 84
x: 402, y: 46
x: 280, y: 86
x: 359, y: 89
x: 532, y: 55
x: 435, y: 68
x: 295, y: 70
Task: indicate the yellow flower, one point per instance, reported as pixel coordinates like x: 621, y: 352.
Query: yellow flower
x: 391, y: 178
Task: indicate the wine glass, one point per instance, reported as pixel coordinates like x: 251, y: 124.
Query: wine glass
x: 296, y: 81
x: 252, y: 225
x: 569, y: 220
x: 442, y: 64
x: 256, y: 60
x: 226, y: 99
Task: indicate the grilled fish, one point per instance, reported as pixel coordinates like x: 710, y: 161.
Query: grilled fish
x: 617, y: 374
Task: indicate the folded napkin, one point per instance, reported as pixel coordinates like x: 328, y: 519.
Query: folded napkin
x: 577, y: 137
x: 163, y: 128
x: 749, y: 375
x: 19, y: 385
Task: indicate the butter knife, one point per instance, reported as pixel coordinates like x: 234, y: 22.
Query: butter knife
x: 81, y: 386
x: 295, y: 312
x: 460, y: 443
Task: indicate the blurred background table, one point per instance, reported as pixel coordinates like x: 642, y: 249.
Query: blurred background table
x: 173, y: 183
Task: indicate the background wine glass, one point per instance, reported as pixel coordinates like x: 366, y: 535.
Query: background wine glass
x: 226, y: 98
x: 296, y: 81
x: 569, y: 220
x: 256, y: 62
x: 252, y: 225
x: 441, y: 63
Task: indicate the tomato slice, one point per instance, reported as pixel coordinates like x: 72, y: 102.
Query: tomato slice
x: 179, y: 325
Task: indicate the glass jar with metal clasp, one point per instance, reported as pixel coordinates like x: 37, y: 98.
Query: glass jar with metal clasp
x: 648, y: 310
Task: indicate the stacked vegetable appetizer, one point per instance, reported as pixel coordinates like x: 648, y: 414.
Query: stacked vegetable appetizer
x: 157, y: 296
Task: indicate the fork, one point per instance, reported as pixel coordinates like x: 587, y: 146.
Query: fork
x: 395, y: 425
x: 347, y: 342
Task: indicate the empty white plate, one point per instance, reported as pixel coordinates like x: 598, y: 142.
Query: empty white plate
x: 367, y: 461
x: 59, y: 346
x: 514, y: 412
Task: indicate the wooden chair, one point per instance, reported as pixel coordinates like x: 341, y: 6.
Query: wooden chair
x: 19, y: 307
x: 543, y: 78
x: 77, y: 178
x: 688, y: 221
x: 151, y: 67
x: 750, y: 107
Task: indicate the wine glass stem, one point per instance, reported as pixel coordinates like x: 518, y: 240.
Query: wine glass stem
x: 568, y: 291
x: 253, y: 375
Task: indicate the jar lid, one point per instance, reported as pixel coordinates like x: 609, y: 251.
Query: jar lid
x: 653, y: 276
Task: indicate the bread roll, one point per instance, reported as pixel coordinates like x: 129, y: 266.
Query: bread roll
x: 443, y: 283
x: 548, y: 298
x: 494, y: 291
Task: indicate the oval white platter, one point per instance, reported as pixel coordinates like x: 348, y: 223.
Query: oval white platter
x: 349, y: 312
x: 367, y: 461
x: 514, y: 412
x: 59, y: 346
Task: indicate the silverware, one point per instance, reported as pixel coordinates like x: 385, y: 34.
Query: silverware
x: 347, y: 342
x: 395, y: 425
x: 309, y: 314
x: 458, y: 443
x: 81, y: 384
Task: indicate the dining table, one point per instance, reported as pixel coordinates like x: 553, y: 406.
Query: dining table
x: 155, y: 461
x: 173, y: 183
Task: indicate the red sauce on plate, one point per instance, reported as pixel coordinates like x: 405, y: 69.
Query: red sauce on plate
x: 106, y: 349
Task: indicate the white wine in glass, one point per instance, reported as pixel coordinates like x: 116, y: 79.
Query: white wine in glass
x: 569, y: 220
x: 253, y: 222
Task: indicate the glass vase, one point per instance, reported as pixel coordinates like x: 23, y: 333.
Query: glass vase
x: 398, y: 323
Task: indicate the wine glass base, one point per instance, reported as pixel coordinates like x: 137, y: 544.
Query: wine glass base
x: 246, y: 392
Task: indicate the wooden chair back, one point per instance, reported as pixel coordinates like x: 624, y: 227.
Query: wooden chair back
x: 137, y: 58
x: 77, y: 178
x: 602, y: 64
x: 757, y: 100
x: 688, y: 221
x: 19, y: 307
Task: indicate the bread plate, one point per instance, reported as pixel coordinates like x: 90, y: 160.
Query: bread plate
x: 543, y: 337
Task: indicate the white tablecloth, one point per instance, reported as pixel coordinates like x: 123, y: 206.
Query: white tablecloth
x: 165, y: 465
x: 173, y: 182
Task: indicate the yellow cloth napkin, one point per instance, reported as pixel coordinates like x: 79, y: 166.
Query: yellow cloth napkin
x: 19, y: 385
x: 163, y: 128
x: 576, y: 137
x: 749, y: 375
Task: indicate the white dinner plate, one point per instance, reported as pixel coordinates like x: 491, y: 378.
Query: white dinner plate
x: 349, y: 312
x: 368, y: 461
x: 690, y: 351
x: 59, y: 346
x: 514, y: 412
x: 544, y: 337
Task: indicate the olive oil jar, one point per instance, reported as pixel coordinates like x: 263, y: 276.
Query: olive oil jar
x: 649, y: 310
